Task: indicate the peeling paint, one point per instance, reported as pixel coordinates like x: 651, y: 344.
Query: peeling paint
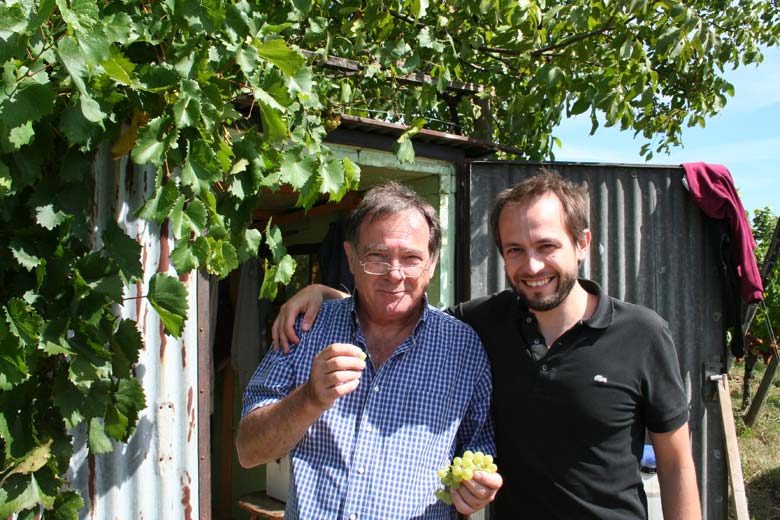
x: 163, y: 341
x: 190, y: 414
x: 92, y: 486
x: 186, y: 497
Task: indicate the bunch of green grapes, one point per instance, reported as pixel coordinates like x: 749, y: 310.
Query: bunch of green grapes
x: 462, y: 468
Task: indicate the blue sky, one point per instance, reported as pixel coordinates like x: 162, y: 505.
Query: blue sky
x: 744, y: 137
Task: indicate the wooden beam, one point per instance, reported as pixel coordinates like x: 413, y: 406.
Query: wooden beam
x: 350, y: 201
x: 732, y: 450
x: 415, y: 78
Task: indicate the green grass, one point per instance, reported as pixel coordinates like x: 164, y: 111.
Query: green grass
x: 759, y: 445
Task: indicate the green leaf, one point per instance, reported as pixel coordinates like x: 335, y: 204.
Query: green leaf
x: 116, y: 423
x: 69, y: 400
x: 154, y: 141
x: 21, y: 135
x: 196, y: 214
x: 23, y: 254
x: 126, y: 342
x: 54, y: 337
x: 66, y: 507
x: 333, y: 180
x: 31, y: 462
x: 282, y: 56
x: 13, y: 20
x: 13, y: 366
x: 253, y: 239
x: 159, y: 207
x: 101, y: 275
x: 23, y: 321
x: 183, y: 257
x: 274, y: 124
x: 168, y: 296
x: 130, y: 399
x: 22, y: 492
x: 73, y: 61
x: 6, y: 182
x: 351, y: 174
x: 187, y: 109
x: 48, y: 218
x: 119, y: 68
x: 31, y: 101
x: 276, y: 274
x: 404, y: 151
x: 98, y: 440
x: 297, y: 170
x: 202, y: 168
x: 124, y: 250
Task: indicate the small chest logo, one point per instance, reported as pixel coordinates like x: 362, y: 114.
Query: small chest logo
x: 599, y: 378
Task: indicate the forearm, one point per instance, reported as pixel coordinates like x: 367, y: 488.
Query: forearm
x: 270, y: 432
x: 329, y: 293
x: 676, y: 475
x: 679, y: 493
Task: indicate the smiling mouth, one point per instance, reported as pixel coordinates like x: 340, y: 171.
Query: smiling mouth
x: 538, y: 283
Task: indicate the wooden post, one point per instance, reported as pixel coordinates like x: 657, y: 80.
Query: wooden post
x: 732, y: 449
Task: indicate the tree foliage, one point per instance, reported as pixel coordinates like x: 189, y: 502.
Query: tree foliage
x: 766, y: 323
x: 228, y: 101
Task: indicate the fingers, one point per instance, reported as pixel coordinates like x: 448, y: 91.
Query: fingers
x: 336, y: 372
x: 308, y: 302
x: 475, y: 494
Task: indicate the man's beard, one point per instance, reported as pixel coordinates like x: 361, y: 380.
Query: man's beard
x: 566, y: 283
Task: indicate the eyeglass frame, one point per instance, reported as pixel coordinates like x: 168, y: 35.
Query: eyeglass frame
x: 389, y: 267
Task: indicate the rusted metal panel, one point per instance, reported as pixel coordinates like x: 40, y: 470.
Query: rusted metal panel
x: 652, y: 246
x: 154, y: 475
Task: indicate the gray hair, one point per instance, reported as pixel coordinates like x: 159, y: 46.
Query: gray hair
x: 390, y: 198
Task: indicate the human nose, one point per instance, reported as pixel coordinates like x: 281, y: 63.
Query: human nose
x: 396, y: 271
x: 534, y: 264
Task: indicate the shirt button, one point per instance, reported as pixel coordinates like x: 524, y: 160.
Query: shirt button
x: 353, y: 516
x: 376, y: 389
x: 368, y: 428
x: 544, y: 368
x: 361, y: 470
x: 536, y: 341
x: 529, y: 319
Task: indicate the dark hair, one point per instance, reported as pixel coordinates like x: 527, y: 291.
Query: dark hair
x: 546, y: 181
x: 387, y: 199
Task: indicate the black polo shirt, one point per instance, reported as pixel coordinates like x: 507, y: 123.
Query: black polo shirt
x: 570, y: 421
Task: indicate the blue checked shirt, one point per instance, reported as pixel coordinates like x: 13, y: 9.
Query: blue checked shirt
x: 374, y: 454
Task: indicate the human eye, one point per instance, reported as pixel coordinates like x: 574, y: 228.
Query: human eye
x: 512, y: 251
x: 412, y: 260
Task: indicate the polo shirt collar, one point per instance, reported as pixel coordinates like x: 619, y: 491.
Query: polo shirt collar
x: 602, y: 315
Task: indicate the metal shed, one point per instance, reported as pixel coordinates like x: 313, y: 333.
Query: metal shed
x: 651, y: 246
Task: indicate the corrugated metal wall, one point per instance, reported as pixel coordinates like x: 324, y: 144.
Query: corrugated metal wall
x: 155, y: 475
x: 651, y: 245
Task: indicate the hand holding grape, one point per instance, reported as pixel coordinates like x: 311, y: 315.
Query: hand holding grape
x: 335, y: 372
x: 471, y: 482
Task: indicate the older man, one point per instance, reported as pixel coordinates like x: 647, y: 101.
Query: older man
x: 367, y: 437
x: 578, y: 376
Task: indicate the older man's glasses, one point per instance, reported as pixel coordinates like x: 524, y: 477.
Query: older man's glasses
x: 382, y: 268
